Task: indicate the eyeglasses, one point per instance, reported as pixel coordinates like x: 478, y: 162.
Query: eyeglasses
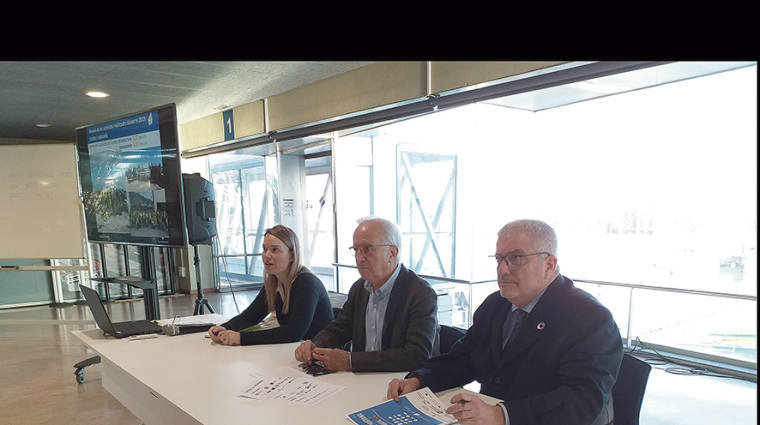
x: 365, y: 249
x: 515, y: 260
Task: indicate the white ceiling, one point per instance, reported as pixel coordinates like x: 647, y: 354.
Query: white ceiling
x: 34, y: 92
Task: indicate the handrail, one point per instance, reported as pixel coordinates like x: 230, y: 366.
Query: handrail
x: 631, y: 287
x: 603, y: 283
x: 444, y: 279
x: 668, y: 289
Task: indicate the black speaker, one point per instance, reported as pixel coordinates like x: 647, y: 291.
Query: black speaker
x: 200, y: 213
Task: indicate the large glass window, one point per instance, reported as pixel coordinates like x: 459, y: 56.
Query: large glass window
x: 243, y: 213
x: 652, y: 187
x: 319, y: 235
x: 651, y: 191
x: 425, y: 209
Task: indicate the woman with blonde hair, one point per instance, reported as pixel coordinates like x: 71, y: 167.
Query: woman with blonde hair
x: 291, y: 291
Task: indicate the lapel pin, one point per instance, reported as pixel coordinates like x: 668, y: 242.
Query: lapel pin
x: 541, y: 326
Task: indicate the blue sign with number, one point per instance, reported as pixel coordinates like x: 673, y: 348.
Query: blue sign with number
x: 229, y: 125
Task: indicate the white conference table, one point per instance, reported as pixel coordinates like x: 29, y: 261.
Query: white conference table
x: 187, y: 379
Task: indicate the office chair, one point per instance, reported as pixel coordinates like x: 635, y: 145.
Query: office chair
x: 628, y: 391
x: 449, y: 335
x: 336, y: 312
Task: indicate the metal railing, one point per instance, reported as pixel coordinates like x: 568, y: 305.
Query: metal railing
x: 679, y: 351
x: 668, y: 289
x: 631, y: 287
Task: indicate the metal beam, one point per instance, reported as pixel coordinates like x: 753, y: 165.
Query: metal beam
x: 428, y: 229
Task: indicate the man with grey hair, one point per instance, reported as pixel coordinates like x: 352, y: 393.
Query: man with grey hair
x: 389, y: 315
x: 549, y: 350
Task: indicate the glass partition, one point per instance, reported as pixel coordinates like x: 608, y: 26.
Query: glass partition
x: 243, y: 213
x: 655, y: 187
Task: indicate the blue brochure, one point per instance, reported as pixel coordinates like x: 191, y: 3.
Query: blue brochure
x: 419, y: 407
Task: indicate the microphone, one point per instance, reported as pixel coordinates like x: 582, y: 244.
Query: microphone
x: 172, y: 330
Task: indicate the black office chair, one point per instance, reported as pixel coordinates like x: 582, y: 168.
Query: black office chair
x: 347, y: 345
x: 450, y: 335
x: 628, y: 391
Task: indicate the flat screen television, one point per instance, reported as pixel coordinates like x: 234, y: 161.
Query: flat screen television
x: 131, y: 181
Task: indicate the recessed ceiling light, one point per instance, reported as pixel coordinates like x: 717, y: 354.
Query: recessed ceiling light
x: 95, y: 93
x: 42, y: 125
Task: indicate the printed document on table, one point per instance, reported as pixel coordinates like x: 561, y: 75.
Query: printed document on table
x: 418, y: 407
x: 296, y: 389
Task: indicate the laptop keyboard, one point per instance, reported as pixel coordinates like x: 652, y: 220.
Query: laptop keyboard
x: 137, y: 327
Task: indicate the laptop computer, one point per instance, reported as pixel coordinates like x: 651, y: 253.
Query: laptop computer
x: 119, y: 329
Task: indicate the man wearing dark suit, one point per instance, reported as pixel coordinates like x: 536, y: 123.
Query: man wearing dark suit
x: 551, y: 351
x: 389, y: 315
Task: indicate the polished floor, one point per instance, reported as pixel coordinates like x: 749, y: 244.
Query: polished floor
x: 38, y: 384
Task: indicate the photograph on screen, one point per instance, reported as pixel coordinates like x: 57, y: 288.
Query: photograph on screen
x: 129, y: 171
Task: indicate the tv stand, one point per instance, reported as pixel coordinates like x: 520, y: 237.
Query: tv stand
x: 150, y: 298
x: 149, y: 288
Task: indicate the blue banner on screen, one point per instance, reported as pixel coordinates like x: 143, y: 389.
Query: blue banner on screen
x: 124, y: 128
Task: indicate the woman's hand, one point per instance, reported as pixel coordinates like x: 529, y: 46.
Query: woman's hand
x: 214, y: 331
x: 229, y: 338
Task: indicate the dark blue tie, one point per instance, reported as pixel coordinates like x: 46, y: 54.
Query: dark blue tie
x: 512, y: 327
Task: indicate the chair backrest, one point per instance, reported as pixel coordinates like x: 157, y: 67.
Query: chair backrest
x: 628, y: 391
x: 449, y: 335
x: 336, y: 312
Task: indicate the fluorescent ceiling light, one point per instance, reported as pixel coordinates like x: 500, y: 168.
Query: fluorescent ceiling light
x: 95, y: 93
x: 42, y: 125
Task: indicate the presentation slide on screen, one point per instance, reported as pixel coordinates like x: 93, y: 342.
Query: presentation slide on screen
x: 128, y: 180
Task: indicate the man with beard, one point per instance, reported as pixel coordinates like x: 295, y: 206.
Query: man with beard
x: 549, y: 350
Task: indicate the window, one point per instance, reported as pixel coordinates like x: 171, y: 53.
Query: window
x: 652, y: 192
x: 654, y: 187
x: 243, y: 213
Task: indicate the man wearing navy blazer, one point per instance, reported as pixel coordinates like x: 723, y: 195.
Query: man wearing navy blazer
x: 389, y: 315
x: 549, y: 350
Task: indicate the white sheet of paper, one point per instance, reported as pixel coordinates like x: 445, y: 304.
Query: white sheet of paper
x: 428, y: 403
x: 194, y: 320
x: 293, y: 387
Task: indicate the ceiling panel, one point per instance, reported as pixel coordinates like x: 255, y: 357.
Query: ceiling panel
x: 52, y: 92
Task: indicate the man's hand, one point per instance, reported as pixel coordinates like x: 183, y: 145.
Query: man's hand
x: 399, y: 387
x: 214, y: 331
x: 304, y: 351
x: 228, y: 337
x: 469, y: 409
x: 332, y: 358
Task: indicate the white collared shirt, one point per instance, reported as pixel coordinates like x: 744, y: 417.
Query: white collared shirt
x: 374, y: 316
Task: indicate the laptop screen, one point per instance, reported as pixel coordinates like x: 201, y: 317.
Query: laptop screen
x: 98, y: 311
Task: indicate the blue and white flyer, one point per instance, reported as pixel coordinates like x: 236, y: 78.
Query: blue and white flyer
x: 421, y: 407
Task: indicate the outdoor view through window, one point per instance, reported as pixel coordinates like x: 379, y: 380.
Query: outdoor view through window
x: 654, y: 187
x: 651, y: 191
